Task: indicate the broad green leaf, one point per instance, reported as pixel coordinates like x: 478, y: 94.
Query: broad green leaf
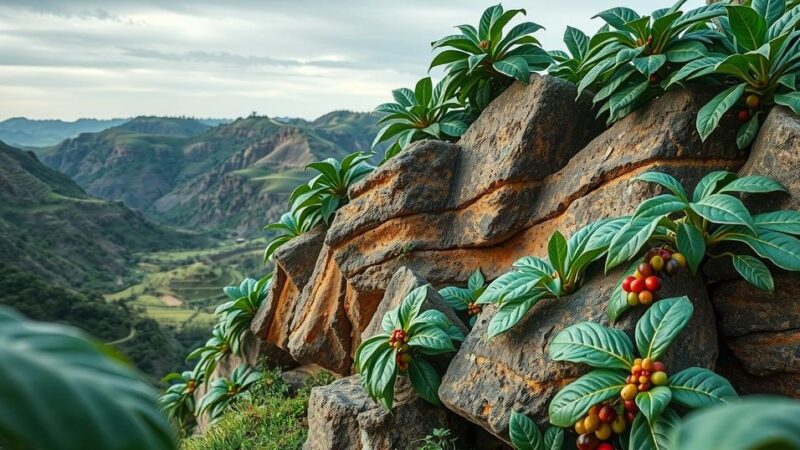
x: 659, y: 206
x: 409, y: 308
x: 576, y: 41
x: 724, y: 209
x: 753, y: 184
x: 653, y: 436
x: 515, y: 67
x: 524, y: 433
x: 692, y: 244
x: 511, y: 313
x: 771, y: 10
x: 431, y: 340
x: 653, y: 402
x: 554, y: 438
x: 790, y: 100
x: 752, y: 423
x: 425, y: 380
x: 458, y: 298
x: 381, y: 373
x: 593, y: 344
x: 698, y: 388
x: 686, y: 51
x: 369, y: 348
x: 748, y: 27
x: 62, y: 391
x: 783, y: 250
x: 476, y: 280
x: 574, y: 400
x: 786, y: 221
x: 603, y: 236
x: 659, y: 326
x: 747, y: 132
x: 557, y: 251
x: 630, y: 239
x: 511, y: 285
x: 711, y: 183
x: 710, y: 114
x: 667, y: 181
x: 649, y: 65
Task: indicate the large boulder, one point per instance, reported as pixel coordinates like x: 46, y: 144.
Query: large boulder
x: 342, y: 416
x: 761, y: 332
x: 531, y: 164
x: 489, y: 378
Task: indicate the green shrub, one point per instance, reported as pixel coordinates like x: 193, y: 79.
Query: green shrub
x: 224, y: 392
x: 464, y: 299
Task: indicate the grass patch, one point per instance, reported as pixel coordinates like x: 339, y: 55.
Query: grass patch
x: 271, y: 420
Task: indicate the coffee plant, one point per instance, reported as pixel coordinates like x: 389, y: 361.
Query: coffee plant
x: 465, y: 299
x: 516, y: 292
x: 624, y: 384
x: 63, y: 390
x: 758, y: 62
x: 439, y: 439
x: 178, y: 399
x: 426, y: 112
x: 238, y: 313
x: 289, y: 226
x: 633, y: 54
x: 223, y: 391
x: 209, y: 355
x: 697, y: 226
x: 482, y: 62
x: 750, y: 424
x: 335, y: 178
x: 409, y: 336
x: 525, y: 435
x: 574, y: 64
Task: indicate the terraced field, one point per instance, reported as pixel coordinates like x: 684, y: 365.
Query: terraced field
x: 183, y: 288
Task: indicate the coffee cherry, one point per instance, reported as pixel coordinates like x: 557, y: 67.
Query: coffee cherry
x: 618, y: 426
x: 753, y: 101
x: 655, y: 78
x: 647, y: 364
x: 645, y: 269
x: 637, y: 362
x: 637, y: 285
x: 637, y: 275
x: 607, y: 414
x: 604, y: 432
x: 657, y: 262
x: 644, y: 379
x: 605, y: 446
x: 680, y: 258
x: 591, y: 423
x: 637, y: 369
x: 665, y: 254
x: 645, y: 297
x: 594, y: 410
x: 658, y: 366
x: 587, y: 441
x: 630, y: 405
x: 652, y: 283
x: 629, y: 416
x: 644, y: 387
x: 743, y: 116
x: 672, y: 267
x: 629, y: 392
x: 626, y: 283
x: 659, y: 378
x: 633, y: 298
x: 579, y: 428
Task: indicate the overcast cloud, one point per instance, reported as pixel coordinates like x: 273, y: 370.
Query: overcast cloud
x: 226, y: 58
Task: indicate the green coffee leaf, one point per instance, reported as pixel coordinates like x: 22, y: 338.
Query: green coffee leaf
x: 425, y: 380
x: 630, y: 239
x: 711, y: 183
x: 619, y: 298
x: 748, y: 27
x: 554, y: 438
x: 659, y: 326
x: 572, y: 402
x: 667, y: 181
x: 524, y: 433
x: 754, y: 272
x: 787, y: 221
x: 557, y: 251
x: 431, y: 340
x: 724, y: 209
x: 709, y: 115
x: 659, y: 206
x: 692, y: 244
x: 783, y: 250
x: 697, y: 388
x: 653, y: 402
x: 747, y: 132
x: 653, y: 436
x: 753, y: 184
x: 511, y: 313
x: 593, y: 344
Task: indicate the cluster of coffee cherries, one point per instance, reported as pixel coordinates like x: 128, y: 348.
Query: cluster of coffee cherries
x: 752, y: 101
x: 596, y: 429
x: 646, y: 281
x: 645, y: 373
x: 191, y: 385
x: 399, y: 341
x: 473, y: 309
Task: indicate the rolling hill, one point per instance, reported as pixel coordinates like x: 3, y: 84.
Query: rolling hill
x: 232, y: 177
x: 52, y: 228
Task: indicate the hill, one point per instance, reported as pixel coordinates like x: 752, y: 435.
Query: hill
x: 53, y: 229
x: 23, y: 132
x: 232, y: 177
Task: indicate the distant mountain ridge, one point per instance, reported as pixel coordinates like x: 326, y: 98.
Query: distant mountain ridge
x: 235, y: 176
x: 50, y: 227
x: 24, y: 132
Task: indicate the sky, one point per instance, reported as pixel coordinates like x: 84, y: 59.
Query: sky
x: 67, y: 59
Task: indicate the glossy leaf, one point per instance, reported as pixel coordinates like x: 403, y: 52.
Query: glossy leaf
x: 698, y: 388
x: 724, y: 209
x: 511, y: 313
x: 425, y: 380
x: 783, y: 250
x: 659, y: 326
x: 573, y: 401
x: 709, y: 115
x: 653, y: 402
x: 753, y: 184
x: 691, y: 244
x: 653, y: 436
x: 667, y: 181
x: 593, y: 344
x: 524, y: 433
x: 630, y: 239
x: 786, y: 221
x: 754, y: 272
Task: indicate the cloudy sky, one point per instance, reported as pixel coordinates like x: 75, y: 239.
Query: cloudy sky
x: 226, y: 58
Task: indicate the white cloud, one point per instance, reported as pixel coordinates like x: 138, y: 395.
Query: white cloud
x: 117, y: 58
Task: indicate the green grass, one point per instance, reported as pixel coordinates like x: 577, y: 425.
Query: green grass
x: 271, y: 420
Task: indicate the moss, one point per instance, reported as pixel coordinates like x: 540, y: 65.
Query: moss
x: 270, y: 420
